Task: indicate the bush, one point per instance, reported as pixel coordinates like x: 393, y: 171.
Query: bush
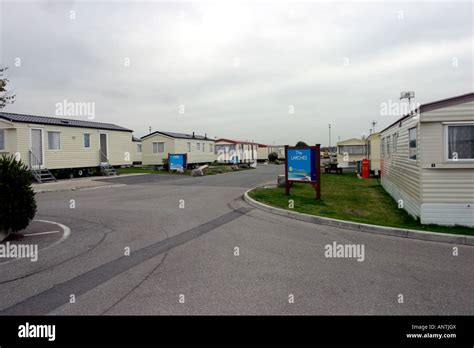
x: 17, y: 203
x: 272, y: 157
x: 165, y: 164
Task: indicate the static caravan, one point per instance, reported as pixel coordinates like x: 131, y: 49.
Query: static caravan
x: 373, y: 152
x: 136, y: 150
x: 427, y: 161
x: 350, y: 151
x: 64, y: 145
x: 157, y: 145
x: 236, y: 151
x: 262, y: 152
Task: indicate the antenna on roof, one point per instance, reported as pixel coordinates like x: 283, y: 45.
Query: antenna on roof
x: 150, y: 129
x: 407, y: 95
x: 193, y: 134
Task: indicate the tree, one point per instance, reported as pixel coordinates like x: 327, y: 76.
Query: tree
x: 5, y: 96
x: 301, y: 143
x: 17, y: 203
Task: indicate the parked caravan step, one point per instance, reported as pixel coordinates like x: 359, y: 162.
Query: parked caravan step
x: 108, y: 170
x: 43, y: 175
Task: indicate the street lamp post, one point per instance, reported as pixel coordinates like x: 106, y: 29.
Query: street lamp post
x: 329, y: 147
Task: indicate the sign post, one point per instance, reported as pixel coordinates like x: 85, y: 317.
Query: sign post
x: 177, y: 161
x: 303, y: 164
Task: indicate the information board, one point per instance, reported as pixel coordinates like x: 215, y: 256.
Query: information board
x: 303, y: 164
x: 177, y: 162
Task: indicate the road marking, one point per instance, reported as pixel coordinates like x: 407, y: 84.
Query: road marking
x: 58, y: 295
x: 40, y: 233
x: 67, y: 232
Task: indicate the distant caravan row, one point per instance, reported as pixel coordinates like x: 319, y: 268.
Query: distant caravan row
x: 201, y: 149
x: 53, y: 147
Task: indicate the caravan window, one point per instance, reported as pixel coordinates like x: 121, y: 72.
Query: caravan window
x: 139, y: 148
x: 87, y: 140
x: 412, y: 146
x: 353, y: 149
x: 158, y: 147
x: 395, y: 142
x: 53, y: 141
x: 210, y: 148
x: 189, y: 147
x: 2, y: 139
x: 460, y: 142
x: 198, y: 146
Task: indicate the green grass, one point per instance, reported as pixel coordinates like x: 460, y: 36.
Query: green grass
x: 346, y: 197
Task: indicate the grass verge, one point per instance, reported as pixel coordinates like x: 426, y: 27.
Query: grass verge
x: 346, y: 197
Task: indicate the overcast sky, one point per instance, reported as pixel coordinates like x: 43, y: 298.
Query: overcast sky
x: 239, y: 68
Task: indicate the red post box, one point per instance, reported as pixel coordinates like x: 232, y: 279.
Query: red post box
x: 365, y: 168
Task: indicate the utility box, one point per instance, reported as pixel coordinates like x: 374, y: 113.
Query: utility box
x: 365, y: 168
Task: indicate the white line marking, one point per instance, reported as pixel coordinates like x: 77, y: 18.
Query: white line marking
x: 67, y: 232
x: 39, y: 233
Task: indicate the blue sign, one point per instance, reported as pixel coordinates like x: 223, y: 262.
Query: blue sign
x: 301, y: 165
x: 177, y: 162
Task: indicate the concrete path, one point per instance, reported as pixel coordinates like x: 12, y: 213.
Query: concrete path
x: 78, y: 183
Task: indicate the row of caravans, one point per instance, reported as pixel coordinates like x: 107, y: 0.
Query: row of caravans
x: 53, y: 146
x: 201, y: 149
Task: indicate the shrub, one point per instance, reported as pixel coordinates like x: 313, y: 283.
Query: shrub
x: 165, y: 164
x: 17, y: 203
x: 272, y: 157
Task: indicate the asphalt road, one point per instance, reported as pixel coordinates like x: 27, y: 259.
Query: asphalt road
x: 183, y: 258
